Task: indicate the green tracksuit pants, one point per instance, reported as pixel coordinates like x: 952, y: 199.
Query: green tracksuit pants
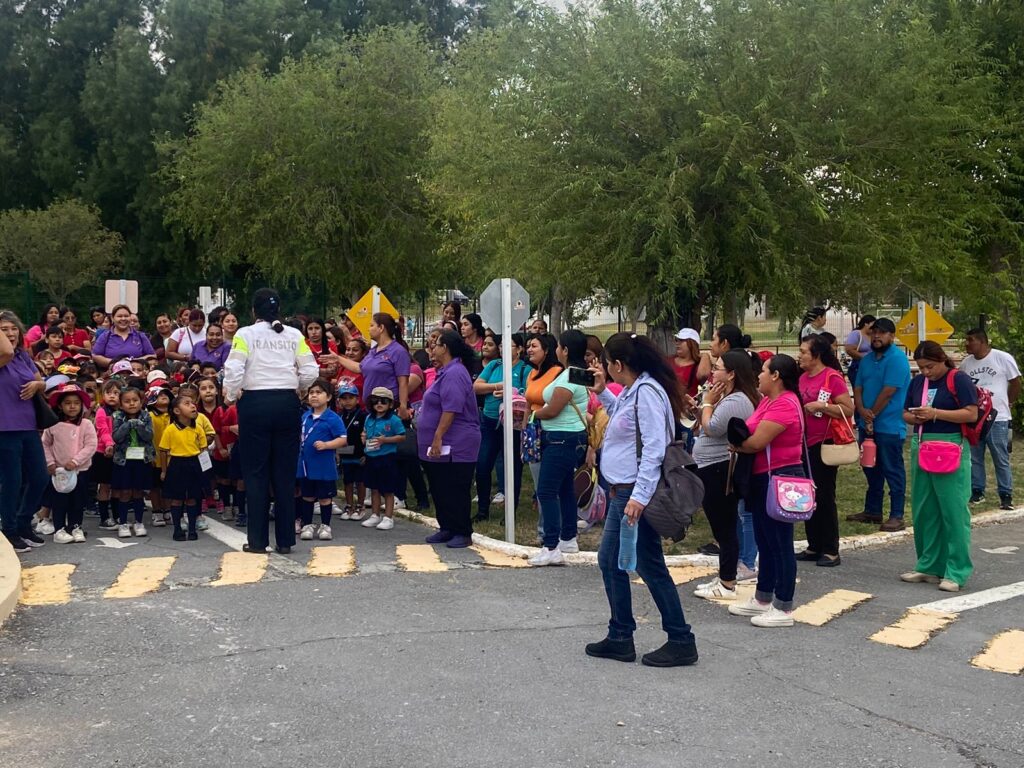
x: 942, y: 517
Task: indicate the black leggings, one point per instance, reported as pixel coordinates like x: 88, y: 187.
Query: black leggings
x: 823, y: 527
x: 720, y: 510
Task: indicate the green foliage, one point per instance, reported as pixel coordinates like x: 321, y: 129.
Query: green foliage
x: 313, y: 173
x: 62, y: 248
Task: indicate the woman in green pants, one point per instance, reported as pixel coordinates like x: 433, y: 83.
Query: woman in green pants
x: 939, y: 402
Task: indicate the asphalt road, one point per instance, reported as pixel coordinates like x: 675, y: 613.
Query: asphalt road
x: 479, y: 666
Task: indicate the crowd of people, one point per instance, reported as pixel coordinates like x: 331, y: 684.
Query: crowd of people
x: 265, y: 421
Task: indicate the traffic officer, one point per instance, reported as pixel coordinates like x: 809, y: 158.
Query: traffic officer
x: 271, y: 365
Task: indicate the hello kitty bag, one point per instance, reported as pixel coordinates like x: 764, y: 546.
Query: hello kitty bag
x: 790, y: 498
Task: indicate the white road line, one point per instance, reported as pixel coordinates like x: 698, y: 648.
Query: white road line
x: 975, y: 600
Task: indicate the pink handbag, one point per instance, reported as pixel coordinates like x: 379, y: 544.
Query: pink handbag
x: 936, y: 456
x: 791, y: 499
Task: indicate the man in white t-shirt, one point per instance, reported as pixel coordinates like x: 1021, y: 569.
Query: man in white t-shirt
x: 997, y: 372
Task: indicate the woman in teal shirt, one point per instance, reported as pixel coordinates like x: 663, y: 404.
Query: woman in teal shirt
x: 492, y: 442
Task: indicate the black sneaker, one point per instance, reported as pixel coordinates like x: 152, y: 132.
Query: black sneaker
x: 18, y: 543
x: 178, y: 535
x: 671, y: 655
x: 33, y: 539
x: 710, y: 549
x: 241, y: 521
x: 1006, y: 502
x: 620, y: 650
x: 977, y: 497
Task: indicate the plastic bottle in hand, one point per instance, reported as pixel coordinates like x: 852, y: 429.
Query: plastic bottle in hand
x: 627, y: 545
x: 868, y: 453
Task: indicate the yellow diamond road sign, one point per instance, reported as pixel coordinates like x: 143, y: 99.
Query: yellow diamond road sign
x: 936, y: 328
x: 372, y: 302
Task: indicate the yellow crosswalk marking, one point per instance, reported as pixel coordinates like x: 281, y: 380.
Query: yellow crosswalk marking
x: 46, y: 584
x: 821, y: 611
x: 915, y: 628
x: 332, y: 561
x: 140, y: 577
x: 422, y: 558
x: 500, y: 559
x: 240, y: 568
x: 1005, y: 653
x: 684, y: 574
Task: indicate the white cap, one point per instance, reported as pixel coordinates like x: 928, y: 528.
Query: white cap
x: 688, y: 333
x: 154, y: 376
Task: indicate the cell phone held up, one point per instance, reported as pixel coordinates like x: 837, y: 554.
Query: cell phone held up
x: 581, y: 376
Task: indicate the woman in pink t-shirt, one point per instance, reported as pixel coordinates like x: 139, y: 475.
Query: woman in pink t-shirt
x: 825, y: 397
x: 776, y: 427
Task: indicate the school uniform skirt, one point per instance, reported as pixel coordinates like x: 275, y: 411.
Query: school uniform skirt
x: 185, y: 479
x: 133, y: 475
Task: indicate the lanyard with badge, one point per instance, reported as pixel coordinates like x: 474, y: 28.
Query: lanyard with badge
x: 135, y: 451
x: 348, y: 450
x: 205, y: 462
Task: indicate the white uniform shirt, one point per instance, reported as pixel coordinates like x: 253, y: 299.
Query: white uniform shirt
x: 187, y: 339
x: 994, y: 372
x: 261, y: 358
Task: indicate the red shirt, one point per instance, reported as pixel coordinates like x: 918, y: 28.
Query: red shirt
x: 216, y: 417
x: 228, y: 419
x: 686, y: 375
x: 76, y: 339
x: 317, y: 350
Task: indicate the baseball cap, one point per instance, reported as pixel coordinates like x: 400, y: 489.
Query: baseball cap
x: 382, y: 392
x: 688, y: 334
x: 154, y: 376
x: 884, y: 324
x: 348, y: 388
x: 121, y: 366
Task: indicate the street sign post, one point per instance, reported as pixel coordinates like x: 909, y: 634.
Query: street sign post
x: 922, y: 323
x: 121, y: 292
x: 505, y: 305
x: 372, y: 302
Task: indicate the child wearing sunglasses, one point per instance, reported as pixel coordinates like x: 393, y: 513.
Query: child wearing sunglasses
x: 382, y: 432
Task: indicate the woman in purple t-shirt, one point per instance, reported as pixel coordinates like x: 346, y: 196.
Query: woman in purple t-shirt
x: 23, y: 474
x: 448, y: 439
x: 121, y: 341
x: 386, y: 365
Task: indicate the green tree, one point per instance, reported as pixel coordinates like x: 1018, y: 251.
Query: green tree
x: 313, y: 174
x: 63, y: 247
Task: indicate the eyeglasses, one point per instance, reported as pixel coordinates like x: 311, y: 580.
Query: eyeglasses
x: 379, y: 401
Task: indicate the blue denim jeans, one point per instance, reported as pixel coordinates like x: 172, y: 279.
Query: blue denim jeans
x: 650, y: 566
x: 888, y: 469
x: 745, y: 533
x: 562, y: 453
x: 492, y: 449
x: 776, y: 576
x: 998, y: 443
x: 23, y: 480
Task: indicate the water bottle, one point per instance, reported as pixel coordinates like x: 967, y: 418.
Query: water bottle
x: 868, y: 453
x: 627, y: 545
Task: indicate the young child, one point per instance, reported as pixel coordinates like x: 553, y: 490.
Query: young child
x: 181, y: 445
x: 323, y: 433
x: 44, y: 362
x: 69, y: 447
x: 191, y: 391
x: 102, y: 464
x: 139, y: 369
x: 382, y: 432
x: 229, y: 439
x: 211, y: 406
x: 352, y: 456
x: 133, y: 456
x: 159, y: 404
x: 54, y: 344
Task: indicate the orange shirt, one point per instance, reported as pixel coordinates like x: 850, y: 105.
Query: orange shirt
x: 535, y: 386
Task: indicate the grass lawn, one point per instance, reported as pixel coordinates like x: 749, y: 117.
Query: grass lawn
x: 849, y: 492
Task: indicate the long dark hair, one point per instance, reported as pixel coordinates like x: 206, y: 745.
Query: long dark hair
x: 575, y: 345
x: 821, y: 349
x: 46, y: 310
x: 737, y: 362
x: 811, y: 314
x: 641, y: 356
x: 788, y: 370
x: 458, y: 348
x: 933, y: 352
x: 389, y: 324
x: 865, y: 322
x: 548, y: 343
x: 266, y: 305
x: 455, y: 306
x: 732, y: 334
x: 323, y: 333
x: 477, y: 322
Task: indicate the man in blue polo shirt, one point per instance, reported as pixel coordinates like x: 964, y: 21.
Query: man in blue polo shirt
x: 879, y: 393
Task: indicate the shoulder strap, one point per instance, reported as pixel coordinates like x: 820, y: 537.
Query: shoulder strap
x: 803, y: 437
x: 636, y: 424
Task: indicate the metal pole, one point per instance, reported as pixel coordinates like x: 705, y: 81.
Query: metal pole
x: 922, y: 332
x: 507, y: 363
x: 375, y: 302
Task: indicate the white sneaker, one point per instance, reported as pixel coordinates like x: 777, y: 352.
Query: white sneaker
x: 335, y: 509
x: 371, y: 521
x: 569, y: 547
x: 139, y: 529
x: 108, y: 525
x: 158, y: 520
x: 345, y: 514
x: 45, y: 527
x: 547, y: 557
x: 307, y: 532
x: 78, y: 535
x: 749, y: 608
x: 745, y: 574
x: 581, y: 525
x: 368, y: 503
x: 325, y: 533
x: 228, y: 515
x: 716, y: 589
x: 124, y: 532
x: 400, y: 504
x: 201, y: 524
x: 773, y: 617
x: 499, y: 498
x: 62, y: 537
x: 184, y: 521
x: 385, y: 524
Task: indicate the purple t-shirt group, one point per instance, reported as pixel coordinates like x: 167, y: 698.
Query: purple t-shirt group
x: 451, y: 392
x: 111, y: 345
x: 382, y: 367
x: 16, y: 415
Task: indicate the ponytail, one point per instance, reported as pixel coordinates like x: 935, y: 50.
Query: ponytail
x: 640, y: 355
x: 933, y: 352
x: 732, y: 334
x: 266, y: 305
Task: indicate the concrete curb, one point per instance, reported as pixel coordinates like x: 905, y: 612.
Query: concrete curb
x: 10, y: 579
x: 848, y: 544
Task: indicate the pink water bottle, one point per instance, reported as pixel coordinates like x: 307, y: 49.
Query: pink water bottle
x: 868, y: 453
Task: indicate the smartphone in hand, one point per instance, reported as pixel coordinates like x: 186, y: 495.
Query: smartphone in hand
x: 581, y: 376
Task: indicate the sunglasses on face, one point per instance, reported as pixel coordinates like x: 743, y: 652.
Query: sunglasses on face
x: 373, y: 401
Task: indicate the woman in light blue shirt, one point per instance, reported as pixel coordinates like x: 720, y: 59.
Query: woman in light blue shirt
x: 650, y: 404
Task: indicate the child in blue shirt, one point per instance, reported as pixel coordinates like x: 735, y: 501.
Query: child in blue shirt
x: 382, y: 433
x: 323, y: 433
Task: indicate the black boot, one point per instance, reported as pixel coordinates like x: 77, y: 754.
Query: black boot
x: 672, y: 655
x: 620, y: 650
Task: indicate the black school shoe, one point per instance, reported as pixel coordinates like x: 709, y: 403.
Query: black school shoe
x: 619, y: 650
x: 31, y: 538
x: 671, y: 655
x: 1006, y: 502
x: 18, y: 543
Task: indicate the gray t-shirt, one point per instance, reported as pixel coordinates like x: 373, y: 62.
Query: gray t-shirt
x: 711, y: 445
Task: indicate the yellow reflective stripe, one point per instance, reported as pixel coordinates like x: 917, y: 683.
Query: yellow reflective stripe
x: 303, y: 349
x: 239, y: 344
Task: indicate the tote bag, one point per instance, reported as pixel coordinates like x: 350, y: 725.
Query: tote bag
x: 791, y: 499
